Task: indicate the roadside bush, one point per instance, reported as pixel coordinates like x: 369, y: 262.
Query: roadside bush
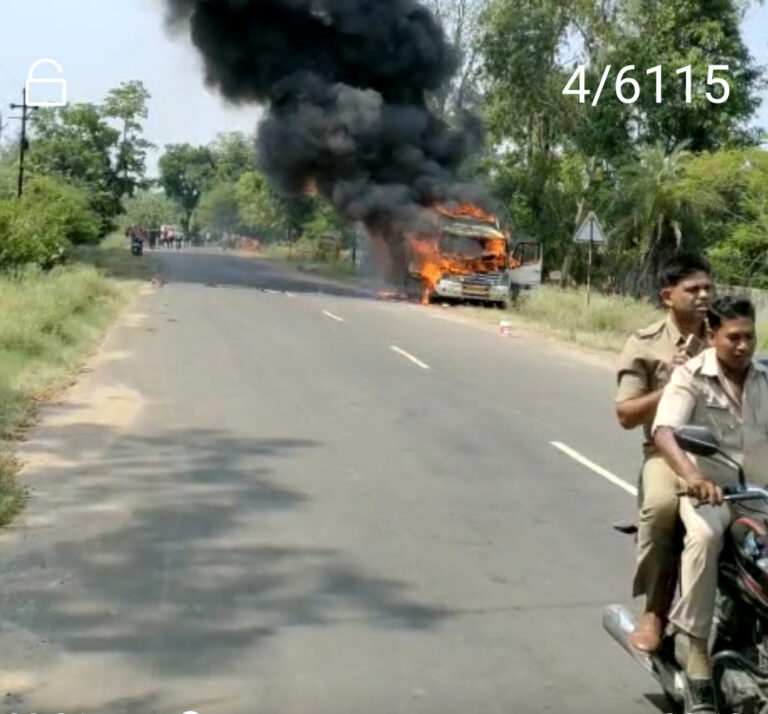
x: 40, y: 228
x: 70, y: 204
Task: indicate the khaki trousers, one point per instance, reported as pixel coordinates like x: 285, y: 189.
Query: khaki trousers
x: 658, y: 538
x: 705, y: 529
x: 658, y: 554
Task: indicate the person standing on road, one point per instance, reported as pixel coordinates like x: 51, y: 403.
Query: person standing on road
x: 645, y: 366
x: 726, y: 391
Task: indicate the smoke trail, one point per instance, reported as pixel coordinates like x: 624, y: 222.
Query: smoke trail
x: 345, y: 81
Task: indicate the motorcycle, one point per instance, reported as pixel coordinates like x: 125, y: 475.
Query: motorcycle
x: 137, y: 246
x: 739, y: 639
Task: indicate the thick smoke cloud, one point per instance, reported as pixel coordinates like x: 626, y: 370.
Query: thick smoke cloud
x: 345, y: 81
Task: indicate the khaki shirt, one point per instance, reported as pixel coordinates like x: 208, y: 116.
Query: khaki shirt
x: 700, y: 394
x: 644, y: 365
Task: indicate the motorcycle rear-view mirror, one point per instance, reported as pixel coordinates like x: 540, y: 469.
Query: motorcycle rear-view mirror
x: 697, y: 440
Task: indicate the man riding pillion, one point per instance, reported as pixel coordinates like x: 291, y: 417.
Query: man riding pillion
x: 645, y: 367
x: 725, y: 390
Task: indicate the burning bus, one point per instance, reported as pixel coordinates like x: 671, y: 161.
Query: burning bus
x: 470, y: 258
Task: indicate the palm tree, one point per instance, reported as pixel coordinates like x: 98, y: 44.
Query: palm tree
x: 655, y: 197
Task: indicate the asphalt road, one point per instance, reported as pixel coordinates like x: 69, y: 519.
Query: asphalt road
x: 273, y: 496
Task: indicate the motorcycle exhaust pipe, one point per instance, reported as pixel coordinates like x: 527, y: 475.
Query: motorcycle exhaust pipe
x: 619, y: 623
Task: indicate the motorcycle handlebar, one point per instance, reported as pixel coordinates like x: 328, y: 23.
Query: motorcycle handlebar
x: 750, y: 493
x: 737, y: 493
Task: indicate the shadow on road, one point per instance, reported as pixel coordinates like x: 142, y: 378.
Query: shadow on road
x: 171, y: 551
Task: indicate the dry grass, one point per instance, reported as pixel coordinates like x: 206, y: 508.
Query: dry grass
x: 49, y: 322
x: 604, y: 325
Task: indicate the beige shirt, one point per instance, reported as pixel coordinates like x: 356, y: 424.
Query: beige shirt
x: 699, y: 393
x: 644, y: 364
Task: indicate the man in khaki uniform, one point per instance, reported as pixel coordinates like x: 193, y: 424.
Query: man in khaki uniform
x: 725, y: 390
x: 645, y: 366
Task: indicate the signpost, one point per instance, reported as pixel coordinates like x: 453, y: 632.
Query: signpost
x: 590, y: 232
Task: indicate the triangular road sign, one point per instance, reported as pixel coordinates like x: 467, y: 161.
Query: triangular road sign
x: 590, y: 229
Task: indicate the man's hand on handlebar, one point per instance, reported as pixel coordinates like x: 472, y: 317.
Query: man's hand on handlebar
x: 703, y: 490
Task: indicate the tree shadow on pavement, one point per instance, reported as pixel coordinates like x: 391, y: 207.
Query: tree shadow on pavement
x: 171, y: 550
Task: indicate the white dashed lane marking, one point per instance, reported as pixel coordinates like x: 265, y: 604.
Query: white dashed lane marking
x: 599, y: 470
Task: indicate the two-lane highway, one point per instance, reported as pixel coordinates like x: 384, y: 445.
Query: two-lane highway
x: 284, y: 497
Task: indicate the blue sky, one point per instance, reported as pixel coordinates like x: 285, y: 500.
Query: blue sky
x: 100, y: 43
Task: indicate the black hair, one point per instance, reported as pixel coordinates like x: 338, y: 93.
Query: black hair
x: 682, y: 266
x: 729, y: 307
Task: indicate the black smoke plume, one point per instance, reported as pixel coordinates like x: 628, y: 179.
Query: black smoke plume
x: 345, y: 82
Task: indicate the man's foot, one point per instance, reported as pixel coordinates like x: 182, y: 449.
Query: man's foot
x: 647, y: 635
x: 700, y: 697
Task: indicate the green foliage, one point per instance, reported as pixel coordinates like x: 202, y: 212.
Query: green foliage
x: 9, y: 171
x: 323, y: 222
x: 185, y: 172
x: 524, y: 102
x: 260, y: 210
x: 128, y: 104
x: 737, y: 221
x: 77, y: 169
x: 42, y: 226
x: 67, y: 204
x: 218, y: 210
x: 149, y: 209
x: 76, y: 143
x: 700, y: 34
x: 640, y: 166
x: 218, y: 187
x: 233, y: 155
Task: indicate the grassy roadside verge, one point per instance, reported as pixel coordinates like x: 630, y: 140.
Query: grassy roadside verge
x: 563, y: 314
x: 604, y: 325
x: 49, y: 324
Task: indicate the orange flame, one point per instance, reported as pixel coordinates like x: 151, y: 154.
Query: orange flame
x: 431, y: 264
x: 466, y: 210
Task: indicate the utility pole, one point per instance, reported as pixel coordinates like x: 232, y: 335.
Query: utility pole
x: 23, y: 144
